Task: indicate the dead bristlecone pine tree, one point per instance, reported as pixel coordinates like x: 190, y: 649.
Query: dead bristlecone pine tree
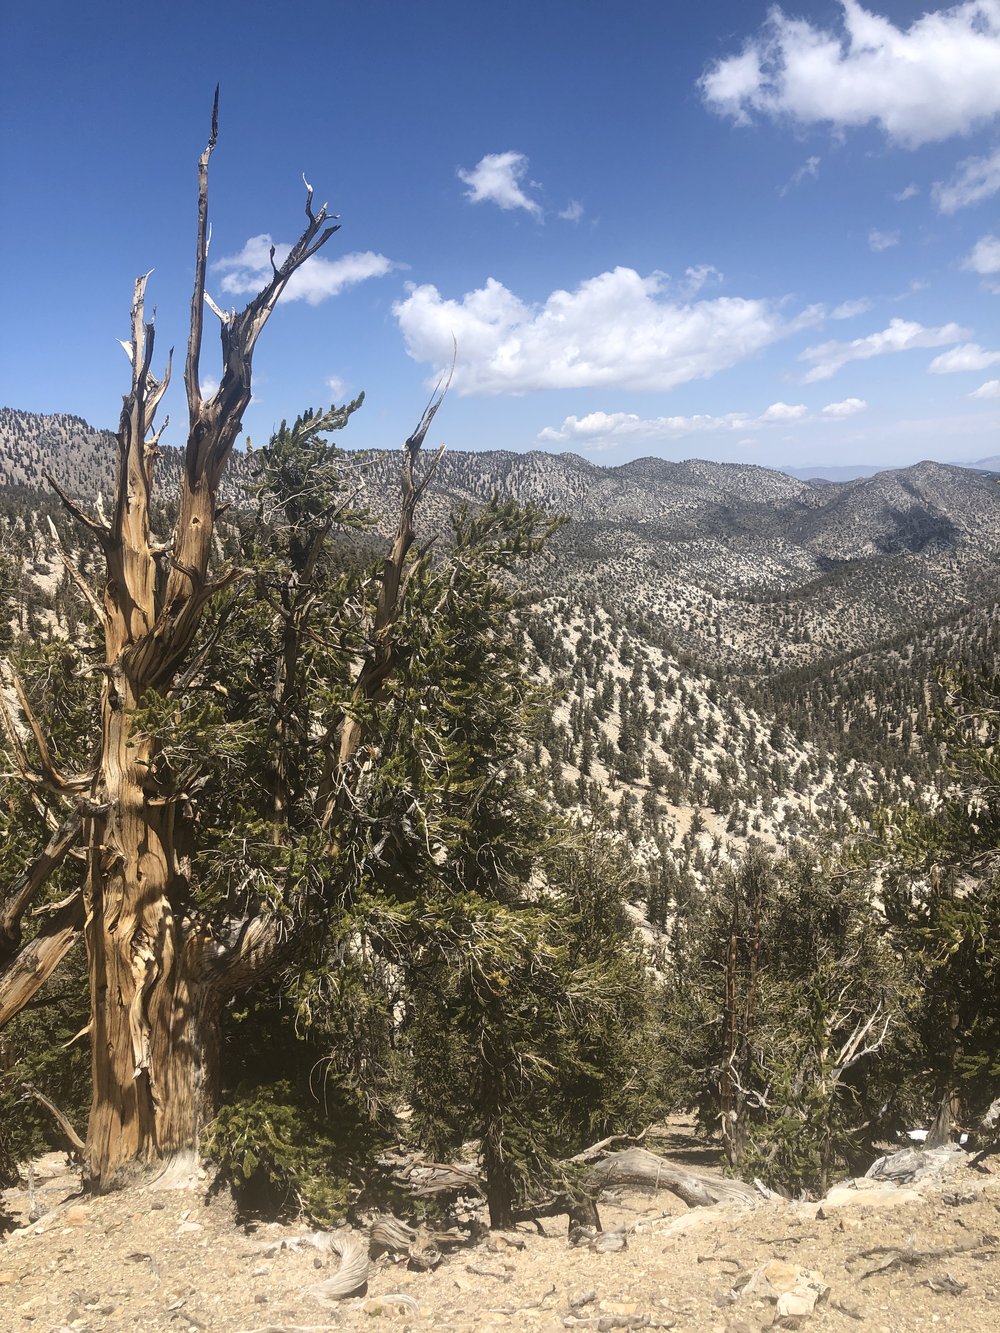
x: 158, y: 973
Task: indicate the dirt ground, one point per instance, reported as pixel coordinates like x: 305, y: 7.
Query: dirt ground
x: 166, y: 1260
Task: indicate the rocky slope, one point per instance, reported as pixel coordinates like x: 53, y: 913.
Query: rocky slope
x: 893, y: 1259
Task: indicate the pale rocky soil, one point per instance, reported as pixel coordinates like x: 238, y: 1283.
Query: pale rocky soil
x: 170, y: 1260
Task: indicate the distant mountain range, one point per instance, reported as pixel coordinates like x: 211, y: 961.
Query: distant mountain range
x: 719, y: 555
x: 851, y: 471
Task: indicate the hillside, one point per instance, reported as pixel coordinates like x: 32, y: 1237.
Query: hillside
x: 734, y: 652
x: 899, y: 1258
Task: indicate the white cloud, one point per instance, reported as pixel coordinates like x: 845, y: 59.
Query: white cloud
x: 910, y: 192
x: 991, y: 389
x: 809, y: 170
x: 599, y: 430
x: 497, y: 178
x: 573, y: 211
x: 977, y: 178
x: 618, y: 328
x: 984, y: 257
x: 921, y: 84
x: 699, y: 276
x: 882, y: 240
x: 849, y: 407
x: 851, y: 309
x: 338, y: 387
x: 901, y: 336
x: 317, y: 279
x: 784, y: 412
x: 209, y: 386
x: 967, y: 356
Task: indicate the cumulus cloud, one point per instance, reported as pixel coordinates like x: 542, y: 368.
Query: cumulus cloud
x: 497, y: 178
x: 848, y: 407
x: 967, y: 356
x: 882, y: 240
x: 920, y: 84
x: 598, y: 430
x: 851, y: 309
x: 618, y: 328
x: 991, y: 389
x: 984, y: 257
x: 901, y: 336
x: 975, y: 179
x: 910, y: 192
x: 338, y: 387
x: 573, y: 211
x: 317, y: 280
x: 784, y: 412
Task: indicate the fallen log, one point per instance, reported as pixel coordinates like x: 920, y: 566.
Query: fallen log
x: 636, y: 1166
x: 633, y: 1166
x: 353, y: 1271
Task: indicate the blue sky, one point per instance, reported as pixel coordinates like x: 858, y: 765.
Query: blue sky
x: 730, y: 231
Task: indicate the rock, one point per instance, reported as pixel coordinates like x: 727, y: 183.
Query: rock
x: 772, y: 1279
x: 854, y: 1194
x: 796, y: 1304
x: 919, y: 1163
x: 76, y: 1216
x: 795, y: 1291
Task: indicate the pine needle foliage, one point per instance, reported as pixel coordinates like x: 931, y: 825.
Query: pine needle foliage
x: 784, y: 1016
x: 941, y: 871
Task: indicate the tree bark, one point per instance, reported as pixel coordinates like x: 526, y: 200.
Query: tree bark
x: 28, y: 971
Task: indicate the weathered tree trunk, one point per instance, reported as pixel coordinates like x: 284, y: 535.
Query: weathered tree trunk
x: 157, y: 977
x: 154, y: 1008
x: 498, y: 1185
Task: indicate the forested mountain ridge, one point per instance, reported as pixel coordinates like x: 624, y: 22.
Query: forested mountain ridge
x: 737, y: 563
x: 79, y: 457
x: 925, y: 506
x: 740, y: 653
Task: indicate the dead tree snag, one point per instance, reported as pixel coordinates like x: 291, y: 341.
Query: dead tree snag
x: 157, y: 972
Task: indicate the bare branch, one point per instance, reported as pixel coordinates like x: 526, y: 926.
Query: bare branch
x: 25, y: 975
x: 191, y: 366
x: 100, y: 530
x: 52, y: 779
x: 61, y: 1119
x: 158, y: 388
x: 222, y: 314
x: 87, y: 591
x: 32, y: 879
x: 191, y: 671
x: 380, y: 660
x: 13, y: 735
